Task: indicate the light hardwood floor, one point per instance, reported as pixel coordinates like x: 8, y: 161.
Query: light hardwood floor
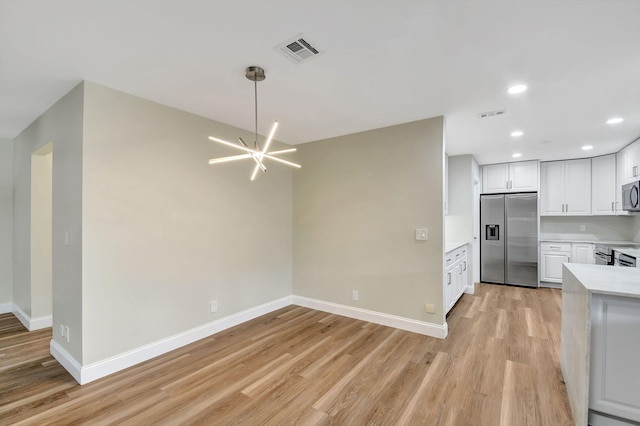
x: 499, y: 366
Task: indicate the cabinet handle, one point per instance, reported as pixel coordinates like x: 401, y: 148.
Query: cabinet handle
x: 635, y: 171
x: 613, y: 208
x: 448, y: 278
x: 465, y: 265
x: 555, y: 247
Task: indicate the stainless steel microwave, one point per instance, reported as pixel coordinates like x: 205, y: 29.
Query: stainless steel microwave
x: 630, y: 194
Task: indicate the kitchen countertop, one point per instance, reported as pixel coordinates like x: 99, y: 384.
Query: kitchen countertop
x: 606, y: 242
x: 611, y: 280
x: 451, y: 245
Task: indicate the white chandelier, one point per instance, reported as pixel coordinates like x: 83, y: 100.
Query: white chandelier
x: 258, y: 155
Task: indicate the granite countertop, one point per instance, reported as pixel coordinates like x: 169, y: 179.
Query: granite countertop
x: 451, y: 245
x: 611, y: 280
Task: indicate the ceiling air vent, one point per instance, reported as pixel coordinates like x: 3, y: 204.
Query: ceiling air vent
x: 299, y: 49
x: 492, y: 113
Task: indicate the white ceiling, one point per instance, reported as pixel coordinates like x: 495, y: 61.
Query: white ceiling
x: 384, y: 63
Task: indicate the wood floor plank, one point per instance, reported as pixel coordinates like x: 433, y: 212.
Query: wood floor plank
x: 297, y: 366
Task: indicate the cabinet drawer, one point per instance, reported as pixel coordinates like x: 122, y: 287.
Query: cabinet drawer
x: 547, y: 246
x: 455, y: 255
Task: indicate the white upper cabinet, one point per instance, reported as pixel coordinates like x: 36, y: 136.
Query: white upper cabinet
x: 621, y: 179
x: 510, y: 177
x: 565, y: 188
x: 629, y: 161
x: 603, y: 185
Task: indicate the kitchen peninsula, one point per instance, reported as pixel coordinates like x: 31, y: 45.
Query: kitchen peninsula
x: 600, y: 340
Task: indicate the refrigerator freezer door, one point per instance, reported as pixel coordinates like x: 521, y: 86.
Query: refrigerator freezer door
x: 522, y: 239
x: 492, y: 238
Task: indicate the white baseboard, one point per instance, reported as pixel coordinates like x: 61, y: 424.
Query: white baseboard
x: 90, y: 372
x: 21, y: 315
x: 66, y: 360
x: 31, y: 324
x: 5, y: 308
x: 470, y: 289
x: 408, y: 324
x: 38, y: 323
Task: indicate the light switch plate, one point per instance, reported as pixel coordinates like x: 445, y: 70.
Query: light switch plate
x: 422, y: 234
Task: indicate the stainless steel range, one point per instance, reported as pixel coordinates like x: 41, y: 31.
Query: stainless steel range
x: 603, y: 254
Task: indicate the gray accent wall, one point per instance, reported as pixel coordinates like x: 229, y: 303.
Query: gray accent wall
x: 61, y: 125
x: 164, y: 232
x: 6, y: 222
x: 356, y: 204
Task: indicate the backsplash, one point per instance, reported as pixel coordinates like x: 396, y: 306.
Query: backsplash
x: 597, y: 228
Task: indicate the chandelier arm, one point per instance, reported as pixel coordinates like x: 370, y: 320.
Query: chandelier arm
x: 258, y: 161
x: 229, y: 158
x: 255, y: 172
x: 234, y: 145
x: 280, y: 160
x: 282, y: 151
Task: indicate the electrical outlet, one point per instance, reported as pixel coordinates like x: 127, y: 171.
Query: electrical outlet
x: 355, y: 296
x: 583, y: 228
x: 61, y: 330
x: 214, y: 306
x: 429, y: 308
x: 66, y: 332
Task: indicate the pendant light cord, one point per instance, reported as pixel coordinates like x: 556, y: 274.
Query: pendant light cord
x: 255, y: 90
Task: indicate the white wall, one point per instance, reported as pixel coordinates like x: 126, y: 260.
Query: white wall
x: 357, y: 201
x: 6, y: 224
x: 461, y: 222
x: 164, y: 233
x: 599, y: 228
x: 635, y: 228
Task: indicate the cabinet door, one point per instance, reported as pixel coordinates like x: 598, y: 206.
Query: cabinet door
x: 462, y: 285
x: 633, y: 161
x: 551, y: 265
x: 449, y: 288
x: 495, y: 178
x: 614, y: 370
x: 621, y: 173
x: 552, y: 188
x: 603, y: 185
x: 577, y: 189
x: 582, y: 253
x: 523, y: 176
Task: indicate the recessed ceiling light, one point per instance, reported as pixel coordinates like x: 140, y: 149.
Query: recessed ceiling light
x: 587, y: 147
x: 517, y: 133
x: 615, y: 120
x: 518, y: 88
x: 516, y: 155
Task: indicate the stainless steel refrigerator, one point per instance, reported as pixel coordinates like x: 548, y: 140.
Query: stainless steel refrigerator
x: 509, y: 240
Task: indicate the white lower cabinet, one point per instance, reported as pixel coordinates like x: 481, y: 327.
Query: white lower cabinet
x: 554, y: 254
x: 582, y: 253
x: 455, y: 276
x: 614, y: 368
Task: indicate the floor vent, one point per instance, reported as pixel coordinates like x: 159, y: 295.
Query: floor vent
x: 299, y: 49
x: 492, y: 113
